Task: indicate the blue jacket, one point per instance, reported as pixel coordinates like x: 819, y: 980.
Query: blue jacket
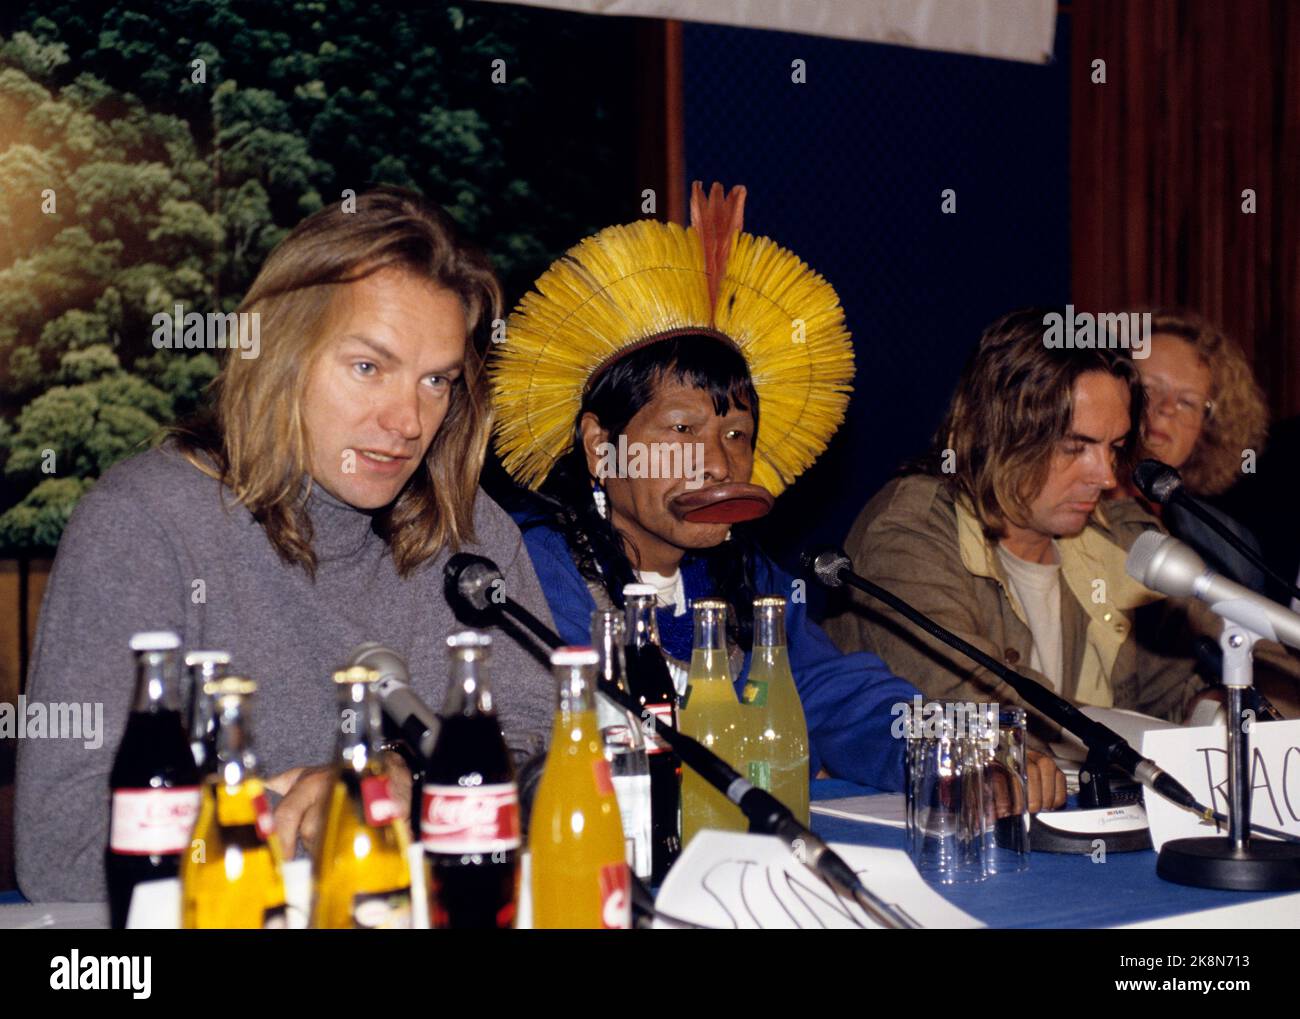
x: 847, y: 698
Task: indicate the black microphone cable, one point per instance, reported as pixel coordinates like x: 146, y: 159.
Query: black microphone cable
x: 830, y: 567
x: 468, y: 577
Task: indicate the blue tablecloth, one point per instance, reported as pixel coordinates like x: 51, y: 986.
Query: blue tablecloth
x: 1057, y: 890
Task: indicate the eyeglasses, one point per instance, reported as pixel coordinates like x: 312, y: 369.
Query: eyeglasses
x: 1189, y: 405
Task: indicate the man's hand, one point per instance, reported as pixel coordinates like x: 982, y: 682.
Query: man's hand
x: 301, y: 814
x: 1046, y: 782
x: 306, y: 792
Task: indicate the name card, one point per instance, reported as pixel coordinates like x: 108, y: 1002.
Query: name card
x: 753, y: 882
x: 1198, y: 758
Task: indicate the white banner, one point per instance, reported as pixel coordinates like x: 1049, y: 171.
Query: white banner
x: 1010, y: 29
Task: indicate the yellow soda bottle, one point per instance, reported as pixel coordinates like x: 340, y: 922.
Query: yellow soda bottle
x: 778, y: 754
x: 362, y: 877
x: 712, y: 714
x: 580, y: 877
x: 231, y: 876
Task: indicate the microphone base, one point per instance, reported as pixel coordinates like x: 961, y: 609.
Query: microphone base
x: 1213, y: 862
x: 1118, y: 829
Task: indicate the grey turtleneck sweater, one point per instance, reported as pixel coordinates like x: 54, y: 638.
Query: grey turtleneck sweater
x: 130, y: 560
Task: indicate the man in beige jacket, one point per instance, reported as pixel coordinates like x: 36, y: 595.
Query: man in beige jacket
x: 1000, y: 536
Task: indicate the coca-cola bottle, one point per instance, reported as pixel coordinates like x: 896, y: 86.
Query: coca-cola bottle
x: 651, y: 684
x: 469, y: 822
x: 154, y: 781
x: 623, y: 740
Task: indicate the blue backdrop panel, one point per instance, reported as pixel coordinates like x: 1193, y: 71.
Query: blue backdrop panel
x: 847, y: 170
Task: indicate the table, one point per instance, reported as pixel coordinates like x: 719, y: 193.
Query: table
x: 1057, y: 890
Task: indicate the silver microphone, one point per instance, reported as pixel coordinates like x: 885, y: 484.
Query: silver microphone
x: 1165, y: 564
x: 827, y: 566
x: 413, y: 718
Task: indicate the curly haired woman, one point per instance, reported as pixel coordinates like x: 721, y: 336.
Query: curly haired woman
x: 1204, y: 410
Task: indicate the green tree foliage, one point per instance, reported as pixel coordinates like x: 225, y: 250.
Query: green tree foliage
x: 154, y: 154
x: 39, y: 519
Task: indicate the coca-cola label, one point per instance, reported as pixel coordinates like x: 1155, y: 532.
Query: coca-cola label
x: 377, y: 801
x: 615, y: 897
x: 150, y: 822
x: 262, y: 816
x: 664, y: 713
x: 480, y: 819
x: 604, y: 784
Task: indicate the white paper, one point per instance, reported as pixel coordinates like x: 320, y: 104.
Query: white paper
x: 752, y: 882
x: 888, y: 809
x: 1198, y: 758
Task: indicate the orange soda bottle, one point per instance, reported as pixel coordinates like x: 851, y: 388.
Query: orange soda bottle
x: 580, y: 877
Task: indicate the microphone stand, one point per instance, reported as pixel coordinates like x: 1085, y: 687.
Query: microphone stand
x: 1105, y: 745
x: 1234, y: 862
x: 1106, y: 748
x: 767, y: 815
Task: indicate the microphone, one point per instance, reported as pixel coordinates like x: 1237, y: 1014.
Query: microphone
x: 415, y: 721
x: 474, y: 588
x: 1162, y: 484
x: 1158, y: 481
x: 834, y: 569
x: 1165, y: 564
x: 475, y: 582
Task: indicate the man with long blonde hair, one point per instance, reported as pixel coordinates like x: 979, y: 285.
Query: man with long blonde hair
x: 309, y: 509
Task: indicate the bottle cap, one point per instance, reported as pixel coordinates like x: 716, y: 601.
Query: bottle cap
x: 230, y: 686
x: 633, y: 590
x: 716, y: 604
x: 356, y: 674
x: 469, y: 639
x: 574, y: 656
x: 194, y: 658
x: 155, y: 640
x: 773, y: 601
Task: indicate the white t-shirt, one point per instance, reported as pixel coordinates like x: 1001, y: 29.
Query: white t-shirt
x: 1038, y: 586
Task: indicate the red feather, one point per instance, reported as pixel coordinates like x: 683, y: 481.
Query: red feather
x: 717, y: 220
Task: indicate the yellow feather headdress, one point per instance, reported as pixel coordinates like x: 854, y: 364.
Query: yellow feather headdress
x: 627, y: 286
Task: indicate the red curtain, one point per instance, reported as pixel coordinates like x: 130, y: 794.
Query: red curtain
x: 1201, y: 102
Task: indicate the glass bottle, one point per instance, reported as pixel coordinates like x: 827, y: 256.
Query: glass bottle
x: 778, y: 755
x: 362, y: 877
x: 580, y: 876
x: 712, y: 714
x: 624, y: 743
x: 231, y: 877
